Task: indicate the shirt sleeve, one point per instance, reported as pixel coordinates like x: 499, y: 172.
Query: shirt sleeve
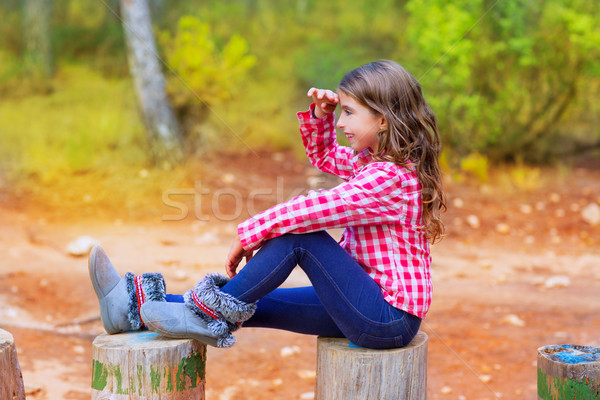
x: 374, y: 196
x: 322, y: 149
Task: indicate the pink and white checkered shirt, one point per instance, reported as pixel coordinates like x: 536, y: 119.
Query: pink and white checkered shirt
x: 378, y: 204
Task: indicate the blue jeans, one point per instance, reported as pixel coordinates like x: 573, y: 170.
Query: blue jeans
x: 343, y: 301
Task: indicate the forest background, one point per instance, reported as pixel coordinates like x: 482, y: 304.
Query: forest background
x: 513, y: 82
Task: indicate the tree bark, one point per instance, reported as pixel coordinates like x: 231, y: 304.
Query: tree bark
x: 351, y: 373
x: 37, y: 51
x: 146, y: 366
x: 157, y: 113
x: 11, y: 379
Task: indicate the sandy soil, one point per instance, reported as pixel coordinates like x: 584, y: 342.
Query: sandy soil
x: 525, y: 274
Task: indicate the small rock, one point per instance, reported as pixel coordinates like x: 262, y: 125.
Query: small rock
x: 513, y: 320
x: 277, y: 382
x: 560, y: 213
x: 79, y: 349
x: 557, y: 281
x: 485, y: 378
x: 446, y: 390
x: 288, y: 351
x: 458, y: 202
x: 81, y: 246
x: 228, y: 178
x: 307, y: 374
x: 591, y: 214
x: 540, y: 206
x: 307, y: 396
x: 503, y: 228
x: 554, y: 198
x: 473, y: 221
x: 278, y: 157
x: 525, y: 208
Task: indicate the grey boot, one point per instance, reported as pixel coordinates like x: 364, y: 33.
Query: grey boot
x: 207, y: 314
x: 120, y: 298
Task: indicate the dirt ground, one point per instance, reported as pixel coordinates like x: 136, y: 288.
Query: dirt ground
x: 519, y: 269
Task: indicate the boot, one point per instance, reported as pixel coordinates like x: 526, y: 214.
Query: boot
x: 207, y: 314
x: 121, y: 297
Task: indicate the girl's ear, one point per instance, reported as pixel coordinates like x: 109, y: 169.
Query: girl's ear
x: 383, y: 125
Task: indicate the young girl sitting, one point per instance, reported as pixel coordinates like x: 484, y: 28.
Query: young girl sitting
x: 373, y: 287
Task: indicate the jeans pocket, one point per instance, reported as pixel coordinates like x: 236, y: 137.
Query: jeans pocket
x: 376, y: 342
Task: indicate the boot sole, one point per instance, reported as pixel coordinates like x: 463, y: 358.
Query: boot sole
x: 202, y: 338
x: 104, y: 315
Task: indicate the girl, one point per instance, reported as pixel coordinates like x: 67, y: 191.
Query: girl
x: 374, y: 286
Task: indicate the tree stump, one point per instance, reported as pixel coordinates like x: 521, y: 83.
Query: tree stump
x: 568, y: 372
x: 146, y: 366
x: 11, y: 379
x: 354, y: 373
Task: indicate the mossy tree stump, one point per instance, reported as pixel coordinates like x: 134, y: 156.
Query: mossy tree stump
x: 145, y: 366
x: 11, y: 379
x: 567, y: 372
x: 353, y: 373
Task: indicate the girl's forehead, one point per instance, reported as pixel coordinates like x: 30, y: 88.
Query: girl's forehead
x: 345, y: 96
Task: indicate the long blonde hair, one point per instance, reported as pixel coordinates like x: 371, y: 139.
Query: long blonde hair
x: 411, y: 137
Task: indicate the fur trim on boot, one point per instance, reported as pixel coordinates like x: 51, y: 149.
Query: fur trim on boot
x: 221, y: 312
x: 150, y: 287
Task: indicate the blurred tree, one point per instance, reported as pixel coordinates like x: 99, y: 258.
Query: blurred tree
x: 149, y: 81
x: 37, y: 51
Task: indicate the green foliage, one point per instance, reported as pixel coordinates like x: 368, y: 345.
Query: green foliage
x: 509, y: 80
x: 72, y: 131
x: 502, y: 76
x: 475, y: 165
x: 204, y: 71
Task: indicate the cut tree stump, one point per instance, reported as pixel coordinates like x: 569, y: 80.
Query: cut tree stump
x: 354, y: 373
x: 144, y: 365
x: 568, y: 371
x: 11, y: 379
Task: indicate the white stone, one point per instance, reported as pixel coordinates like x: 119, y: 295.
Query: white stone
x: 557, y: 281
x: 458, y: 202
x: 289, y: 351
x: 446, y: 390
x: 473, y: 221
x: 81, y: 246
x: 513, y: 320
x: 591, y: 214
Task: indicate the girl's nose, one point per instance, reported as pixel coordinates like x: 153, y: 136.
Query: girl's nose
x: 340, y: 123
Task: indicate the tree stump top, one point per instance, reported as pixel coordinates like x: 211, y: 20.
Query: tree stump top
x: 571, y: 353
x: 343, y: 344
x: 5, y: 338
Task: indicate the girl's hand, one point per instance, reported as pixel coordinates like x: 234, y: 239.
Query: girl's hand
x: 325, y: 101
x: 236, y: 253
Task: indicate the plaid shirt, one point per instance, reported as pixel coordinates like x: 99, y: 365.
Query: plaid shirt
x: 378, y: 204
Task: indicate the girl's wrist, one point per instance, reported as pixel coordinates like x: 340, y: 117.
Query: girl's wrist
x: 316, y: 112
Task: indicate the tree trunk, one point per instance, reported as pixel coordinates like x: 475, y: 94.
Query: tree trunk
x: 143, y: 365
x: 11, y: 380
x: 352, y: 373
x: 567, y: 372
x: 37, y: 51
x: 157, y: 112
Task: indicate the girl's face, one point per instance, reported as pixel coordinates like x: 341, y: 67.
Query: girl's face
x: 360, y: 124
